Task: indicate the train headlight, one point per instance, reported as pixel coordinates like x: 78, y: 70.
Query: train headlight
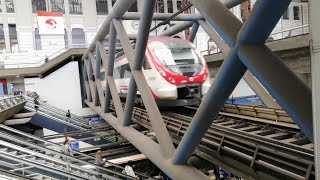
x: 171, y: 80
x: 162, y: 73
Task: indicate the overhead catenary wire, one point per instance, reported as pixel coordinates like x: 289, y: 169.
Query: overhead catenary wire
x: 167, y: 21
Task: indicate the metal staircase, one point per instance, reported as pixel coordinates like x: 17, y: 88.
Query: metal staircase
x: 57, y: 114
x: 74, y: 121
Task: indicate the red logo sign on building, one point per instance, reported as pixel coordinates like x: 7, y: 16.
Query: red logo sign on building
x: 50, y: 23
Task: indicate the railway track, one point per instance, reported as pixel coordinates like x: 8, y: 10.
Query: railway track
x: 253, y: 143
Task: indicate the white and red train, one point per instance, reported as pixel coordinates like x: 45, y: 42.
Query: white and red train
x: 176, y: 74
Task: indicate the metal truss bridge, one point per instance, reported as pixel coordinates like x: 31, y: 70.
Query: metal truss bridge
x: 243, y: 45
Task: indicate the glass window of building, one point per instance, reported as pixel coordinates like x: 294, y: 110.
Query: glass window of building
x: 134, y: 7
x: 78, y: 36
x: 179, y: 5
x: 75, y: 6
x: 286, y: 15
x: 159, y: 6
x: 57, y: 5
x: 170, y: 7
x: 39, y: 5
x: 102, y: 7
x: 2, y: 41
x: 296, y: 12
x: 0, y: 7
x: 13, y: 37
x: 10, y: 6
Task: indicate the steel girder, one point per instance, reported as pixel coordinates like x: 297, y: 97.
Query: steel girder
x: 229, y: 34
x: 248, y: 77
x: 158, y: 153
x: 248, y: 51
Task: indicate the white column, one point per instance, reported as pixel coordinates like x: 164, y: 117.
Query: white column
x: 69, y: 35
x: 5, y: 26
x: 67, y: 22
x: 175, y: 6
x: 314, y: 22
x: 109, y: 5
x: 6, y: 36
x: 165, y: 5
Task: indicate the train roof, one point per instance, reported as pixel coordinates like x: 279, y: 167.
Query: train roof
x: 159, y: 39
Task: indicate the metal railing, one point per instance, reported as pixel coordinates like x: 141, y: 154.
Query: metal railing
x: 45, y: 59
x: 8, y: 102
x: 74, y: 121
x: 33, y: 159
x: 58, y: 113
x: 290, y: 31
x: 50, y: 147
x: 273, y: 36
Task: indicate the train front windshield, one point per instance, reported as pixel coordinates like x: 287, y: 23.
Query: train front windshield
x: 178, y: 56
x: 172, y: 53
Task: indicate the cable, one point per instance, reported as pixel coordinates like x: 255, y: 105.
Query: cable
x: 167, y: 21
x: 171, y: 17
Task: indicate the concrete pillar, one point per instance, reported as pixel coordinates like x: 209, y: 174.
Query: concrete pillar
x: 314, y: 22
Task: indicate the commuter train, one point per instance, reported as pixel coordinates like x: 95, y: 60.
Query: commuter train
x: 176, y: 74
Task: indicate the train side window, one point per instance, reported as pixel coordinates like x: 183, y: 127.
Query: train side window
x: 103, y: 75
x: 133, y: 8
x: 146, y: 64
x: 116, y: 73
x: 127, y: 71
x: 121, y: 71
